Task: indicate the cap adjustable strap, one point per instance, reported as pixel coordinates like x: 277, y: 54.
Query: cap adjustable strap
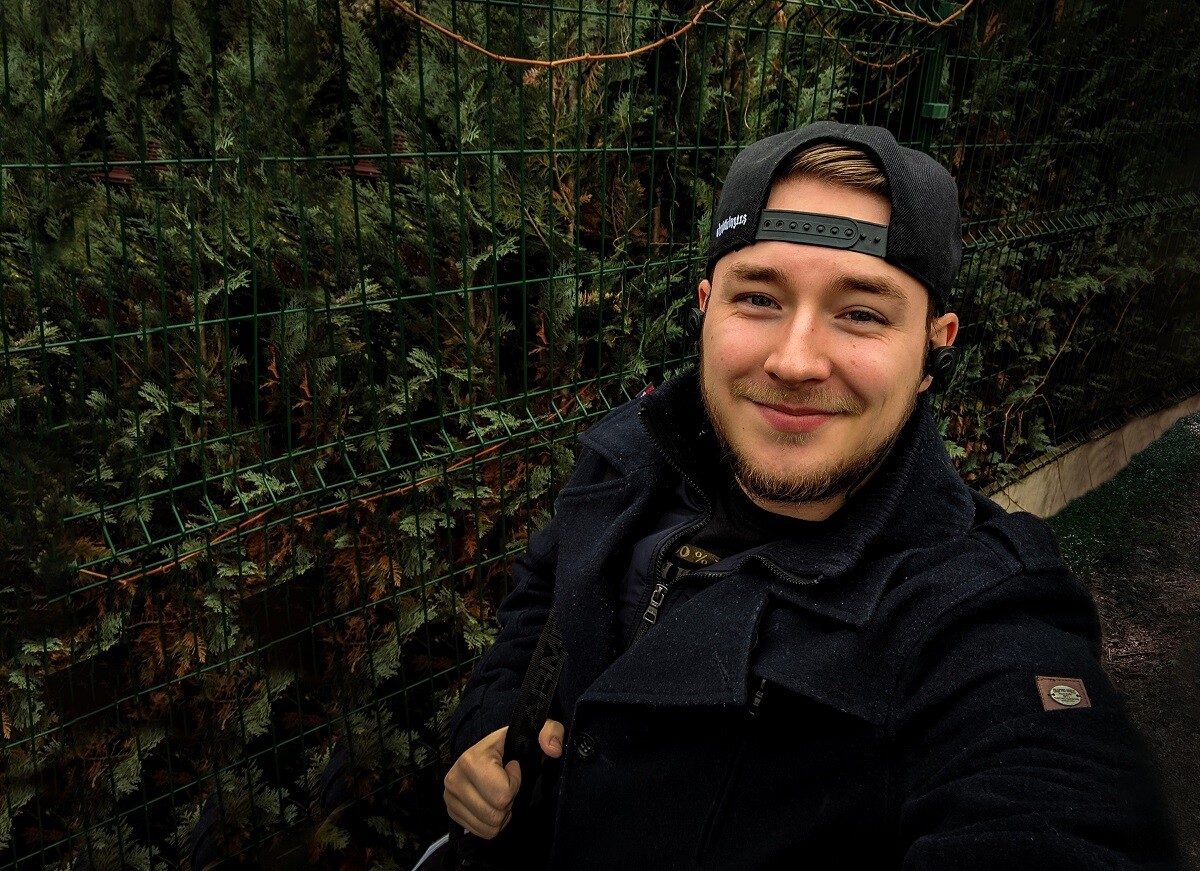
x: 832, y: 231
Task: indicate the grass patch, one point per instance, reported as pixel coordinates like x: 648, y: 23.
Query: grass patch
x: 1114, y: 524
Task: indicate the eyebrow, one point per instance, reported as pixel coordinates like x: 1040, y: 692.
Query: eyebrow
x: 875, y: 285
x: 752, y: 272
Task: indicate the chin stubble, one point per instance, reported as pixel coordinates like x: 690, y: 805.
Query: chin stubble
x: 819, y: 486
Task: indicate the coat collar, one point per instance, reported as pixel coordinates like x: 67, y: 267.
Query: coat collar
x: 916, y: 500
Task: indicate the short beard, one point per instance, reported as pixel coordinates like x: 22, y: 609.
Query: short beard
x: 821, y: 485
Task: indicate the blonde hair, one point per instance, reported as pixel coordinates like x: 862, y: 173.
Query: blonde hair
x: 837, y: 164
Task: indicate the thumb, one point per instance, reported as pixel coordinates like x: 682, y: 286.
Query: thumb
x: 513, y: 771
x: 550, y: 739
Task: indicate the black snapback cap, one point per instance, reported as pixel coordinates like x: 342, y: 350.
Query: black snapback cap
x: 924, y: 237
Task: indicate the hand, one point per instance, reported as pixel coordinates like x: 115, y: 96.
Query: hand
x: 480, y: 789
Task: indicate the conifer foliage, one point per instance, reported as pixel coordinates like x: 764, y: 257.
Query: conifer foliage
x: 303, y: 302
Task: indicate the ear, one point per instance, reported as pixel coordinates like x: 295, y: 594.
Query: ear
x: 945, y: 331
x: 942, y: 334
x: 703, y: 292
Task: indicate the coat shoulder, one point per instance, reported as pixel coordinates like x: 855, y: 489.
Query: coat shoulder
x: 1022, y: 540
x: 996, y: 548
x: 1005, y: 572
x: 622, y: 440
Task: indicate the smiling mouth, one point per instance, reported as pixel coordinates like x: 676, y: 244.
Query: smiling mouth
x: 794, y: 419
x: 801, y: 411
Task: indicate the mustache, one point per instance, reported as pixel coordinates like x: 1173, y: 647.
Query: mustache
x: 817, y: 397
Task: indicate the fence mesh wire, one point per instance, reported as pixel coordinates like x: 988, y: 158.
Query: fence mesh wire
x: 303, y: 303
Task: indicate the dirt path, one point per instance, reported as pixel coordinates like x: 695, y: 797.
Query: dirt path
x: 1136, y: 543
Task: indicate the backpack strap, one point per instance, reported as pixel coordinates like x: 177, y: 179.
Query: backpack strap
x: 464, y: 851
x: 535, y: 698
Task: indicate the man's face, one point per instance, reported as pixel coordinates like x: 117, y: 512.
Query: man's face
x: 812, y: 357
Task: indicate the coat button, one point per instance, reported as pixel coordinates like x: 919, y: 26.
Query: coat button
x: 585, y: 747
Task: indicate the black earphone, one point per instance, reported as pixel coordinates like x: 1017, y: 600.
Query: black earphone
x: 939, y: 364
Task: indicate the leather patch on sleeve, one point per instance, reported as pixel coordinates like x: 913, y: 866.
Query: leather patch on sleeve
x: 1062, y: 693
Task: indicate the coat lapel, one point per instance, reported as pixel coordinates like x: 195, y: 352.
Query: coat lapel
x: 698, y: 654
x: 589, y: 568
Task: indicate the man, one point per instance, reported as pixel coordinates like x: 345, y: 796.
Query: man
x: 795, y: 638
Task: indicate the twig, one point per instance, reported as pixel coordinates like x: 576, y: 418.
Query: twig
x: 921, y: 19
x: 1062, y: 347
x: 562, y: 61
x: 877, y: 65
x: 1134, y: 653
x: 882, y: 94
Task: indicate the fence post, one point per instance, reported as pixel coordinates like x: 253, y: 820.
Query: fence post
x: 924, y: 109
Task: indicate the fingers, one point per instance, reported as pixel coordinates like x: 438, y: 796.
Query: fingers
x: 550, y: 739
x: 479, y: 790
x: 486, y: 822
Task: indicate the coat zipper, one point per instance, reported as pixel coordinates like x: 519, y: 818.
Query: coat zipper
x: 662, y: 586
x: 658, y: 595
x: 662, y: 571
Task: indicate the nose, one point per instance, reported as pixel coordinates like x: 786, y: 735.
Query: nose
x: 800, y: 353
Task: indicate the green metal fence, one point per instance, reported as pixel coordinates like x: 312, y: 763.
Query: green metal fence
x: 303, y: 302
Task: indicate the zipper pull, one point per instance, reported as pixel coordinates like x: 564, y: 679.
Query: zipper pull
x: 656, y: 599
x: 757, y: 700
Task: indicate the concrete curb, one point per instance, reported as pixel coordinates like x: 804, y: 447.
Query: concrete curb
x: 1050, y: 488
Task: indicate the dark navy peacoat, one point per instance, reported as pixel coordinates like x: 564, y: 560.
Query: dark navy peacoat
x: 878, y: 698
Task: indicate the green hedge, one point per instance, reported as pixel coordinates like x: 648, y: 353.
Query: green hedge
x: 303, y: 303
